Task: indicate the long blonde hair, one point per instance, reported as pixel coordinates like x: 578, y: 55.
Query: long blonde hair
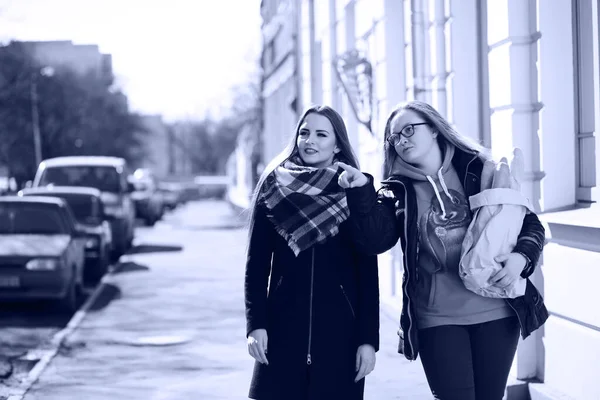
x: 435, y: 120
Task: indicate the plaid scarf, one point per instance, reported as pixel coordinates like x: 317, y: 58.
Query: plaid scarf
x: 305, y: 204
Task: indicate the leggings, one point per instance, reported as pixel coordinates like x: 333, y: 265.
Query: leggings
x: 469, y: 362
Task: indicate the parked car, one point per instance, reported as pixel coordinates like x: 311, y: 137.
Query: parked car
x: 211, y: 186
x: 41, y: 251
x: 107, y: 174
x: 171, y: 194
x: 146, y: 197
x: 88, y: 210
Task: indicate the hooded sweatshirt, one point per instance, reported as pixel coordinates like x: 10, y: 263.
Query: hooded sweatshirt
x: 443, y: 218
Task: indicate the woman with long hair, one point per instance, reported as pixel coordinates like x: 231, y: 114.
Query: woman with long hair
x: 312, y: 300
x: 466, y: 342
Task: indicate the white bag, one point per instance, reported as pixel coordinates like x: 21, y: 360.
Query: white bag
x: 498, y: 210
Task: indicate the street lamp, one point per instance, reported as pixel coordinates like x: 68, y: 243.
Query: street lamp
x: 35, y: 115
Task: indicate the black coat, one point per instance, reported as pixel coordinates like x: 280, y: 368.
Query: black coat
x: 381, y: 219
x: 343, y: 314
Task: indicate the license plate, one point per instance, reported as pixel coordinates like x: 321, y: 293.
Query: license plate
x: 10, y: 281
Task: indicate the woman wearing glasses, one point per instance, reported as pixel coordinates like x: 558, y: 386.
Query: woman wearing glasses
x: 466, y: 342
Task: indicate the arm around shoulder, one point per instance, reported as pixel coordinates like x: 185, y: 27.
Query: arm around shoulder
x: 375, y: 227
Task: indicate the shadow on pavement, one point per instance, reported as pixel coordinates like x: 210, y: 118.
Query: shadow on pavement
x: 22, y: 365
x: 128, y: 266
x: 153, y: 248
x: 68, y: 347
x: 109, y: 292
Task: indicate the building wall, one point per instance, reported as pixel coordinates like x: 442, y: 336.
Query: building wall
x: 280, y: 85
x: 239, y: 170
x: 507, y: 73
x: 180, y: 140
x: 156, y: 145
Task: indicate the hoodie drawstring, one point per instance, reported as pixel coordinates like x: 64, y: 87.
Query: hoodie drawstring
x: 437, y: 192
x: 443, y: 183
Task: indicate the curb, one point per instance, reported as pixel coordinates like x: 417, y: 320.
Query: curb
x: 56, y: 342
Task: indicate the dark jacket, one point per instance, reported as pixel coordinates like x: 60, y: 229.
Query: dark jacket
x: 380, y: 219
x: 325, y: 303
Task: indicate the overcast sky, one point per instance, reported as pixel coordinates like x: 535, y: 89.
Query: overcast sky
x: 178, y: 58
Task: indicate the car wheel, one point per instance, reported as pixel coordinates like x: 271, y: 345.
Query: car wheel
x: 97, y: 273
x: 118, y: 251
x: 129, y: 243
x: 70, y: 302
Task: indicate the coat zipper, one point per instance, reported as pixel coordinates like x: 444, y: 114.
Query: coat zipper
x: 418, y: 248
x: 407, y: 272
x: 310, y: 311
x: 467, y: 173
x: 279, y: 283
x: 348, y: 300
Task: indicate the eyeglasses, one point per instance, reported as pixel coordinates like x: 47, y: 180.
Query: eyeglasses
x: 407, y: 132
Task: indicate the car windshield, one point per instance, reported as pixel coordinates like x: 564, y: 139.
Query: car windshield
x: 105, y: 179
x: 32, y: 219
x: 85, y: 208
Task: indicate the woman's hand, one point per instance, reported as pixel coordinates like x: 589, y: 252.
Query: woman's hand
x: 351, y: 177
x: 257, y: 345
x: 365, y: 361
x: 514, y: 263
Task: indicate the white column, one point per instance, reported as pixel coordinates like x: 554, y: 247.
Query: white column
x: 315, y: 58
x: 297, y: 36
x: 512, y: 40
x: 513, y: 85
x: 586, y: 105
x: 394, y: 54
x: 464, y: 86
x: 351, y: 121
x: 437, y: 32
x: 304, y: 53
x: 418, y: 49
x: 596, y: 58
x: 336, y: 98
x: 557, y: 118
x: 408, y: 50
x: 395, y: 42
x: 428, y: 50
x: 317, y: 73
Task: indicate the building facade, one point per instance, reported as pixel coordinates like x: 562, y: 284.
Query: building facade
x: 280, y: 82
x: 508, y: 73
x: 239, y: 169
x: 156, y: 145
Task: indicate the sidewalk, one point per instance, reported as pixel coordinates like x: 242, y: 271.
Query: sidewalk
x: 177, y: 329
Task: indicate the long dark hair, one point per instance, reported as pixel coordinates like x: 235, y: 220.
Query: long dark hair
x: 446, y: 133
x: 345, y: 155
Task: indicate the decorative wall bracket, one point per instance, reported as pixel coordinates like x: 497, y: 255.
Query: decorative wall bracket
x: 356, y: 76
